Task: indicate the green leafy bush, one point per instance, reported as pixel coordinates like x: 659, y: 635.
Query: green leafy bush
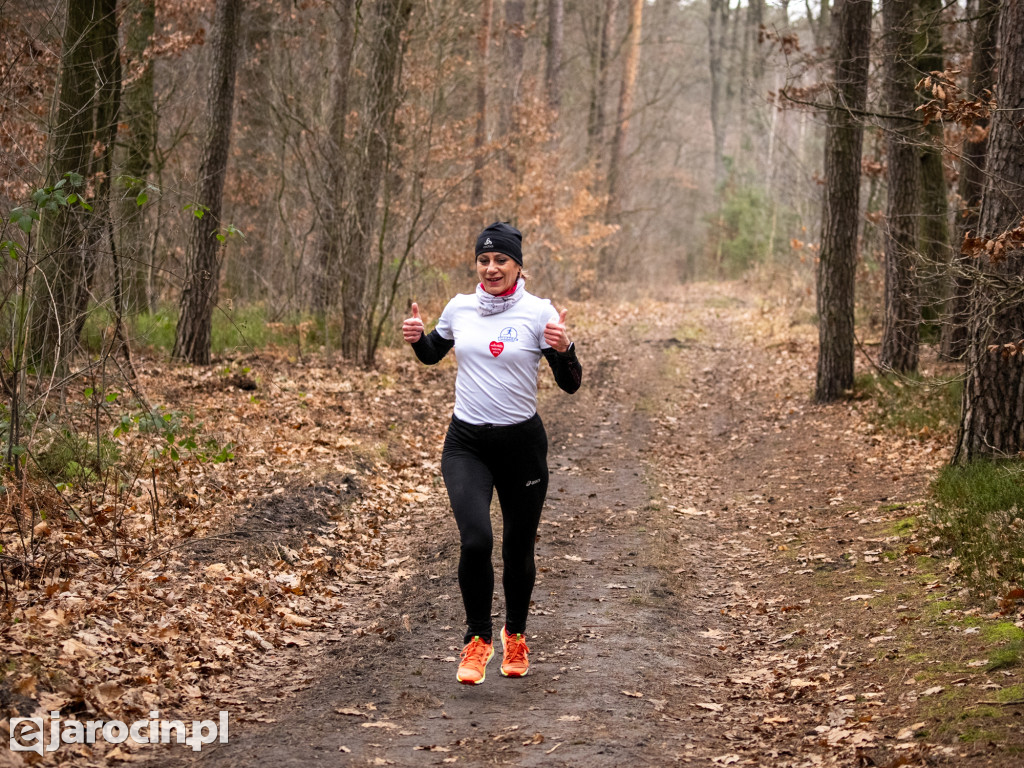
x: 73, y: 458
x: 747, y: 229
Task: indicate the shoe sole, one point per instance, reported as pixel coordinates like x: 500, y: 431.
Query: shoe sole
x: 482, y: 677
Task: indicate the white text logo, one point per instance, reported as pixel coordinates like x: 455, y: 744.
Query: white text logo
x: 28, y: 733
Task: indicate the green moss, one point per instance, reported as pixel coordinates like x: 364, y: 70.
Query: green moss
x: 980, y: 711
x: 1011, y: 693
x: 904, y: 527
x: 970, y: 735
x: 1003, y: 632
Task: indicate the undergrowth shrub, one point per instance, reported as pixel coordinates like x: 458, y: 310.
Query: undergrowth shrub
x: 911, y: 405
x: 977, y: 512
x: 234, y: 331
x: 71, y: 457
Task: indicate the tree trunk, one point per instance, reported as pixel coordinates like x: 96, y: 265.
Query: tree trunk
x: 140, y: 121
x: 627, y: 93
x: 972, y: 179
x: 553, y: 70
x: 512, y: 80
x: 515, y: 42
x: 483, y: 52
x: 107, y: 62
x: 841, y: 211
x: 599, y: 92
x: 202, y: 266
x: 718, y: 22
x: 327, y: 279
x: 822, y: 26
x: 992, y: 416
x: 934, y: 243
x: 374, y: 137
x: 85, y: 115
x: 901, y: 330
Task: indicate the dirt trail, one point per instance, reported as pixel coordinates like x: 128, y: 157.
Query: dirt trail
x: 666, y: 625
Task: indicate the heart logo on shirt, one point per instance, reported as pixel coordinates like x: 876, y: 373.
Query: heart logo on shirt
x: 496, y: 348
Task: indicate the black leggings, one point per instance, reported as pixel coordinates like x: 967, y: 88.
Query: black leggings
x: 477, y: 459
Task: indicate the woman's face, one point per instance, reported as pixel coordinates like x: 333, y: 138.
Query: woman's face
x: 497, y: 272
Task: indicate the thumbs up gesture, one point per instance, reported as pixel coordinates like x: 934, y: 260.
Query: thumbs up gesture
x: 555, y: 335
x: 412, y: 328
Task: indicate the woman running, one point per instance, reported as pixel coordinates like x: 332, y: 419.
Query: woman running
x: 496, y: 440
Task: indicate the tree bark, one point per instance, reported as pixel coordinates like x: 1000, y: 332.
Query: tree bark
x: 627, y: 92
x: 841, y: 209
x: 327, y: 280
x: 483, y: 46
x: 972, y: 179
x: 202, y: 267
x: 822, y: 26
x: 85, y: 118
x: 599, y: 91
x: 553, y: 69
x: 512, y: 80
x: 107, y: 63
x: 933, y: 244
x: 141, y: 123
x: 992, y: 414
x: 718, y: 22
x: 901, y: 330
x: 374, y: 137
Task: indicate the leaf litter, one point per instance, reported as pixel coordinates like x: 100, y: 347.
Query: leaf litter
x: 766, y: 521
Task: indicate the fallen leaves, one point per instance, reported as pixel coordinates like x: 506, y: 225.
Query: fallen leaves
x: 709, y: 705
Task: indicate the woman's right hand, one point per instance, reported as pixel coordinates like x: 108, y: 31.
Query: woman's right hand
x: 412, y: 328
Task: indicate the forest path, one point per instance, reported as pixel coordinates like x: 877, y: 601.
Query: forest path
x: 691, y: 604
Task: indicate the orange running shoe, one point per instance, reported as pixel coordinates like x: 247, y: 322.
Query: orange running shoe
x: 515, y: 660
x: 473, y: 665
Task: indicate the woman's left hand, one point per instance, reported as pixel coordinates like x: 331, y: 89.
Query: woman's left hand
x: 555, y: 335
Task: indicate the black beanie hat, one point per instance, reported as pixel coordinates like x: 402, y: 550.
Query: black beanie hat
x: 501, y: 238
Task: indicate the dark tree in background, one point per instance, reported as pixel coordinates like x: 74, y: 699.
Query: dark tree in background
x: 841, y: 211
x: 81, y: 144
x: 933, y: 234
x: 483, y: 47
x: 202, y: 268
x: 627, y: 95
x: 139, y: 119
x: 901, y: 329
x: 972, y: 177
x: 992, y: 414
x: 553, y: 64
x: 718, y: 26
x: 599, y: 86
x: 373, y: 143
x: 328, y: 274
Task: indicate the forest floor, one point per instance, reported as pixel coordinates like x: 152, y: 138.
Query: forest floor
x: 728, y: 574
